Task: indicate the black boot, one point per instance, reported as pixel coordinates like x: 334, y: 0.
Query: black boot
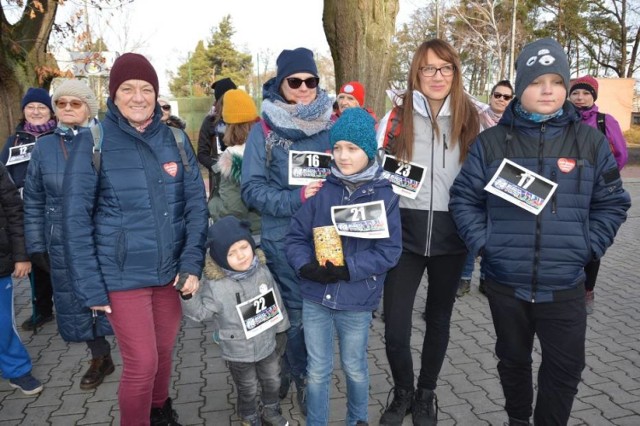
x: 165, y: 416
x: 516, y: 422
x: 399, y: 407
x: 100, y: 368
x: 425, y: 408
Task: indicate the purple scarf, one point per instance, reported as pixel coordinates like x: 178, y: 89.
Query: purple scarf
x: 38, y: 129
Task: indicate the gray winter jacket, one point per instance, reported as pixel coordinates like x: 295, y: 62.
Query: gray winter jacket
x: 218, y: 297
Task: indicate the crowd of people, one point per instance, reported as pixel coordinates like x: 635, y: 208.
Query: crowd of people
x: 316, y: 213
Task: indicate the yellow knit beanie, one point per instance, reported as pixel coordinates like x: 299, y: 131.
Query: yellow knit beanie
x: 238, y: 107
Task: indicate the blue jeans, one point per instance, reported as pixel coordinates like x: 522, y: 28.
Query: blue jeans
x: 296, y: 353
x: 352, y: 328
x: 469, y: 265
x: 248, y: 375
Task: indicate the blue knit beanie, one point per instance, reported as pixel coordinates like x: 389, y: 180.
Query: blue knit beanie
x: 544, y: 56
x: 35, y: 94
x: 356, y: 125
x: 290, y: 62
x: 223, y: 234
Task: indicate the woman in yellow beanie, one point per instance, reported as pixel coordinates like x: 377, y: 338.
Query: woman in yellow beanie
x: 240, y: 113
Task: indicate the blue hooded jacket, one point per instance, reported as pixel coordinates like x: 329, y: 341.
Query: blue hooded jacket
x: 142, y: 220
x: 539, y: 256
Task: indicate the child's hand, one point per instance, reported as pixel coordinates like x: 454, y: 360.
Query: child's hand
x: 312, y: 189
x: 314, y: 272
x: 340, y: 272
x: 21, y: 269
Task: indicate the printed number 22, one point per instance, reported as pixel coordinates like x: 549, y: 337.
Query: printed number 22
x: 259, y: 304
x: 403, y: 169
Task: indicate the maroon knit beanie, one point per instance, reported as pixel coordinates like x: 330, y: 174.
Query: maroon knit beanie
x: 131, y: 66
x: 587, y: 83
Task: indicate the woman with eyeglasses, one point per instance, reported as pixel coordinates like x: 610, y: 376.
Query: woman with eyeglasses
x: 76, y: 107
x: 296, y: 116
x: 168, y: 118
x: 37, y: 121
x: 432, y: 126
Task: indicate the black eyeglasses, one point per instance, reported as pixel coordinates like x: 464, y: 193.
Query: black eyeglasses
x: 295, y: 82
x: 166, y: 107
x: 430, y: 70
x: 499, y: 95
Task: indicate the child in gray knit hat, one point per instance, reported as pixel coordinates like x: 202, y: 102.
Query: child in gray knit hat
x: 534, y: 262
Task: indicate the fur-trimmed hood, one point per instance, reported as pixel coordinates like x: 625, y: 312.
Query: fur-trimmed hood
x: 213, y: 271
x: 230, y: 162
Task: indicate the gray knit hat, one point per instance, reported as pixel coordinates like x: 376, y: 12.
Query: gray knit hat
x: 544, y: 56
x: 79, y: 89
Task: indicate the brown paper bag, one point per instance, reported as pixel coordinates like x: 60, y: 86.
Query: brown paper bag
x: 328, y: 245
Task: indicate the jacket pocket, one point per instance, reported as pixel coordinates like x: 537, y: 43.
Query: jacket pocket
x: 372, y: 282
x: 121, y: 249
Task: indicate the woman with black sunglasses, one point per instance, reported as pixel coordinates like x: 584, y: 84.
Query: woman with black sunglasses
x: 296, y: 116
x: 168, y: 118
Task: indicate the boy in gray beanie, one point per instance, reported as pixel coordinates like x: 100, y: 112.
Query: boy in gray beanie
x: 534, y: 262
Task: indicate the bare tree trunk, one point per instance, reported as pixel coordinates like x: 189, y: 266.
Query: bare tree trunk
x: 359, y: 34
x: 24, y: 60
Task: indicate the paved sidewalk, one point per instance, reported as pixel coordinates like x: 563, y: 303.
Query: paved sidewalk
x: 469, y: 391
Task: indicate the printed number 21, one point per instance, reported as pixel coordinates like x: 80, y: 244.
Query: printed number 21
x: 357, y: 213
x: 403, y: 169
x: 259, y: 304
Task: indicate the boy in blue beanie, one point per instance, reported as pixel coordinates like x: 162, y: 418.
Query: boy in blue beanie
x: 341, y: 294
x: 241, y: 294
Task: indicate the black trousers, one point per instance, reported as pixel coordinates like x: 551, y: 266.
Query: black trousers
x: 42, y: 292
x: 400, y: 290
x: 560, y: 327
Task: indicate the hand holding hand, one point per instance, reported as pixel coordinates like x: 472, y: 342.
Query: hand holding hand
x: 105, y: 308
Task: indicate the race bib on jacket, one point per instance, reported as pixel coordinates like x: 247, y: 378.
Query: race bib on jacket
x: 366, y: 220
x: 20, y: 153
x: 406, y: 178
x: 308, y: 166
x: 260, y: 313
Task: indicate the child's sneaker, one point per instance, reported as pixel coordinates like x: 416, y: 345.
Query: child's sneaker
x: 252, y: 420
x: 28, y: 384
x: 272, y: 416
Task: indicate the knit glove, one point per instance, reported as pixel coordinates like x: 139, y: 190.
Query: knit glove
x: 41, y: 261
x: 314, y: 272
x: 340, y: 272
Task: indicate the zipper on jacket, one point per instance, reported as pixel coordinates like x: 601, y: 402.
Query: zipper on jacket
x: 554, y: 204
x: 444, y: 148
x: 536, y: 255
x: 427, y: 248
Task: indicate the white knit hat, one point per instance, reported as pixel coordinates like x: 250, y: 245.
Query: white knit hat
x: 80, y: 90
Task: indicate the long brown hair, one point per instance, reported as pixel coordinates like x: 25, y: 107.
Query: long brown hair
x: 236, y: 134
x: 465, y: 124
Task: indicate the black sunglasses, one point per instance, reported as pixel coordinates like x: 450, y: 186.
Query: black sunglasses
x: 295, y: 82
x: 499, y: 95
x: 165, y: 107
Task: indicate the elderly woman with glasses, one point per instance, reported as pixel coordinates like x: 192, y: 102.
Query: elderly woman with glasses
x: 431, y: 126
x: 37, y: 121
x: 296, y: 116
x: 76, y: 107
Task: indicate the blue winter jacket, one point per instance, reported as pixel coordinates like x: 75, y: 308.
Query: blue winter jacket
x: 541, y: 258
x: 367, y: 260
x: 142, y: 220
x: 43, y: 195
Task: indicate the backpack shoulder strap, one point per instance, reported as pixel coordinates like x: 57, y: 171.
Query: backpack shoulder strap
x: 393, y: 128
x: 96, y: 133
x: 178, y: 135
x: 602, y: 126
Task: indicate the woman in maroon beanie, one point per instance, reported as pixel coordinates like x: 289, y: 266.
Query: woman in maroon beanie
x: 135, y: 222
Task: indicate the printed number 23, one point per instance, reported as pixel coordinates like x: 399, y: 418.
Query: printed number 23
x: 259, y: 304
x: 403, y: 169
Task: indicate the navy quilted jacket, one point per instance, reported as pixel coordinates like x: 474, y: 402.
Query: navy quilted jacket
x: 43, y: 231
x: 537, y: 256
x: 139, y: 223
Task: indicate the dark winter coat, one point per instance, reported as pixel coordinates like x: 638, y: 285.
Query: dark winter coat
x: 142, y: 220
x: 540, y: 258
x: 20, y: 137
x: 12, y: 247
x: 43, y: 195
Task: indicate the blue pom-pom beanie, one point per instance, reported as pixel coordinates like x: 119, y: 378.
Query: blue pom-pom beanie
x: 357, y: 126
x: 291, y: 62
x: 223, y: 234
x: 36, y: 94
